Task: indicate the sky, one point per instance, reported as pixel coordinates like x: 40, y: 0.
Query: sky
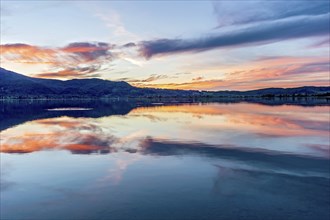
x: 202, y: 45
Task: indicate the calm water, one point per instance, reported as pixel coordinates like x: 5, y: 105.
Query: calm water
x: 154, y: 161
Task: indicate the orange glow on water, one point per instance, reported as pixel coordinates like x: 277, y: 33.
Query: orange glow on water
x: 204, y: 123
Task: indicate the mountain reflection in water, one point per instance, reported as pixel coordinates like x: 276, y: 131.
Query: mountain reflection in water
x: 187, y: 161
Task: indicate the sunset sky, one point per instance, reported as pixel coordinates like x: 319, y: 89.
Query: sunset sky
x: 204, y: 45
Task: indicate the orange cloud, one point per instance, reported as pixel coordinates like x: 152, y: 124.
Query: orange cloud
x: 70, y: 134
x: 255, y: 118
x: 89, y: 51
x: 214, y: 85
x: 24, y: 53
x: 151, y: 78
x: 267, y: 72
x: 80, y: 59
x: 62, y: 73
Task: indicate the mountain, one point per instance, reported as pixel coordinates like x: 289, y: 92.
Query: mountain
x: 14, y: 85
x: 268, y: 92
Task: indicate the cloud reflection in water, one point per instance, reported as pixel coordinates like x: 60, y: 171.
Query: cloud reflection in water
x: 284, y: 129
x: 214, y: 158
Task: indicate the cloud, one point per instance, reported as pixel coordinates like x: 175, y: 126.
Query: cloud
x: 131, y: 44
x: 24, y: 53
x: 322, y: 43
x: 151, y: 78
x: 183, y: 73
x: 266, y: 32
x: 60, y: 73
x: 199, y: 78
x: 309, y: 68
x: 85, y: 137
x: 154, y: 77
x: 231, y: 13
x: 113, y: 21
x: 72, y: 72
x: 281, y: 66
x: 265, y: 72
x: 74, y: 60
x: 89, y: 51
x: 195, y: 85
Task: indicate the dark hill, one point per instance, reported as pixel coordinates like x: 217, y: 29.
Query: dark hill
x: 14, y: 85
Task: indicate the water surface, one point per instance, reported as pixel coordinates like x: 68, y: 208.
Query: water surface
x: 161, y: 161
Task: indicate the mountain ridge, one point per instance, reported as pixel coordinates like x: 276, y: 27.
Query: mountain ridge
x: 15, y: 85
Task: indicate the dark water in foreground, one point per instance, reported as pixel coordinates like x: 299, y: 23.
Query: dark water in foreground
x: 149, y: 161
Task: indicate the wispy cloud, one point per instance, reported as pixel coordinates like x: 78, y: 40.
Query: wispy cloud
x: 263, y: 33
x: 74, y: 60
x: 183, y: 73
x: 265, y: 72
x: 218, y: 84
x: 244, y: 12
x: 89, y: 51
x: 84, y: 138
x: 24, y: 53
x: 151, y: 78
x: 199, y: 78
x: 71, y: 73
x: 322, y: 43
x: 113, y: 22
x: 131, y: 44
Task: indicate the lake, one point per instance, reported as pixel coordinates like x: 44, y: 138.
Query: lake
x: 125, y: 160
